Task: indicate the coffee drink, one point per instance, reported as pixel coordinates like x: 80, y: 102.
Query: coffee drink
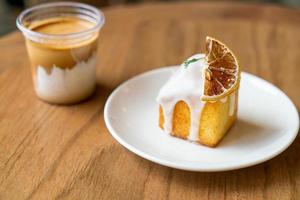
x: 62, y: 53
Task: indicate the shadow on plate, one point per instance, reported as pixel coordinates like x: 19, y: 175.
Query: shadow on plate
x: 246, y: 133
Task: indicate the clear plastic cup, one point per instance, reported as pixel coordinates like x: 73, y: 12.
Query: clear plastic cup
x: 61, y: 40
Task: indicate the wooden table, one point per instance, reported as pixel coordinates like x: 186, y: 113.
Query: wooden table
x: 66, y: 152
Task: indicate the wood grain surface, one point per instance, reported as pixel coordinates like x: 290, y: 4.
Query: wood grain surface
x: 66, y: 152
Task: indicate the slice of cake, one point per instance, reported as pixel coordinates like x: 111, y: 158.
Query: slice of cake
x: 199, y: 102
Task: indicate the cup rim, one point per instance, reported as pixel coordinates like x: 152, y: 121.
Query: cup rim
x: 27, y: 31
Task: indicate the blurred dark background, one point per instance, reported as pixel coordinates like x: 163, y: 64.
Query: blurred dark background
x: 9, y: 9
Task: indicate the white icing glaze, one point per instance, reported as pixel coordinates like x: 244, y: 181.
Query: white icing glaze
x: 196, y: 107
x: 186, y: 84
x: 66, y: 85
x: 232, y: 103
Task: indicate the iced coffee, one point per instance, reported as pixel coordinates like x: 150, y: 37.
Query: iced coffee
x: 62, y: 42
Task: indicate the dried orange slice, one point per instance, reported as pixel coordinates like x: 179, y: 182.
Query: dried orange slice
x: 222, y: 73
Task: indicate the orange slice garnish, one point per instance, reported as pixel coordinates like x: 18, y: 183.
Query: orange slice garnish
x: 222, y: 73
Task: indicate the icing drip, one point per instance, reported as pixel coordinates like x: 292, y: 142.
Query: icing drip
x: 196, y: 107
x: 232, y: 104
x: 168, y: 107
x: 186, y: 85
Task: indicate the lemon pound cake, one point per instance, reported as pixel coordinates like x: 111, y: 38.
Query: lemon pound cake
x: 199, y: 102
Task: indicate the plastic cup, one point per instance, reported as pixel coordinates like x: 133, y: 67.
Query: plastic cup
x: 61, y: 40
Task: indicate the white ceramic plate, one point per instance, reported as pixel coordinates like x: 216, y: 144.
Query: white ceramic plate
x: 267, y: 124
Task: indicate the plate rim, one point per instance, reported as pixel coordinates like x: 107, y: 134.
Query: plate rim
x: 167, y: 163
